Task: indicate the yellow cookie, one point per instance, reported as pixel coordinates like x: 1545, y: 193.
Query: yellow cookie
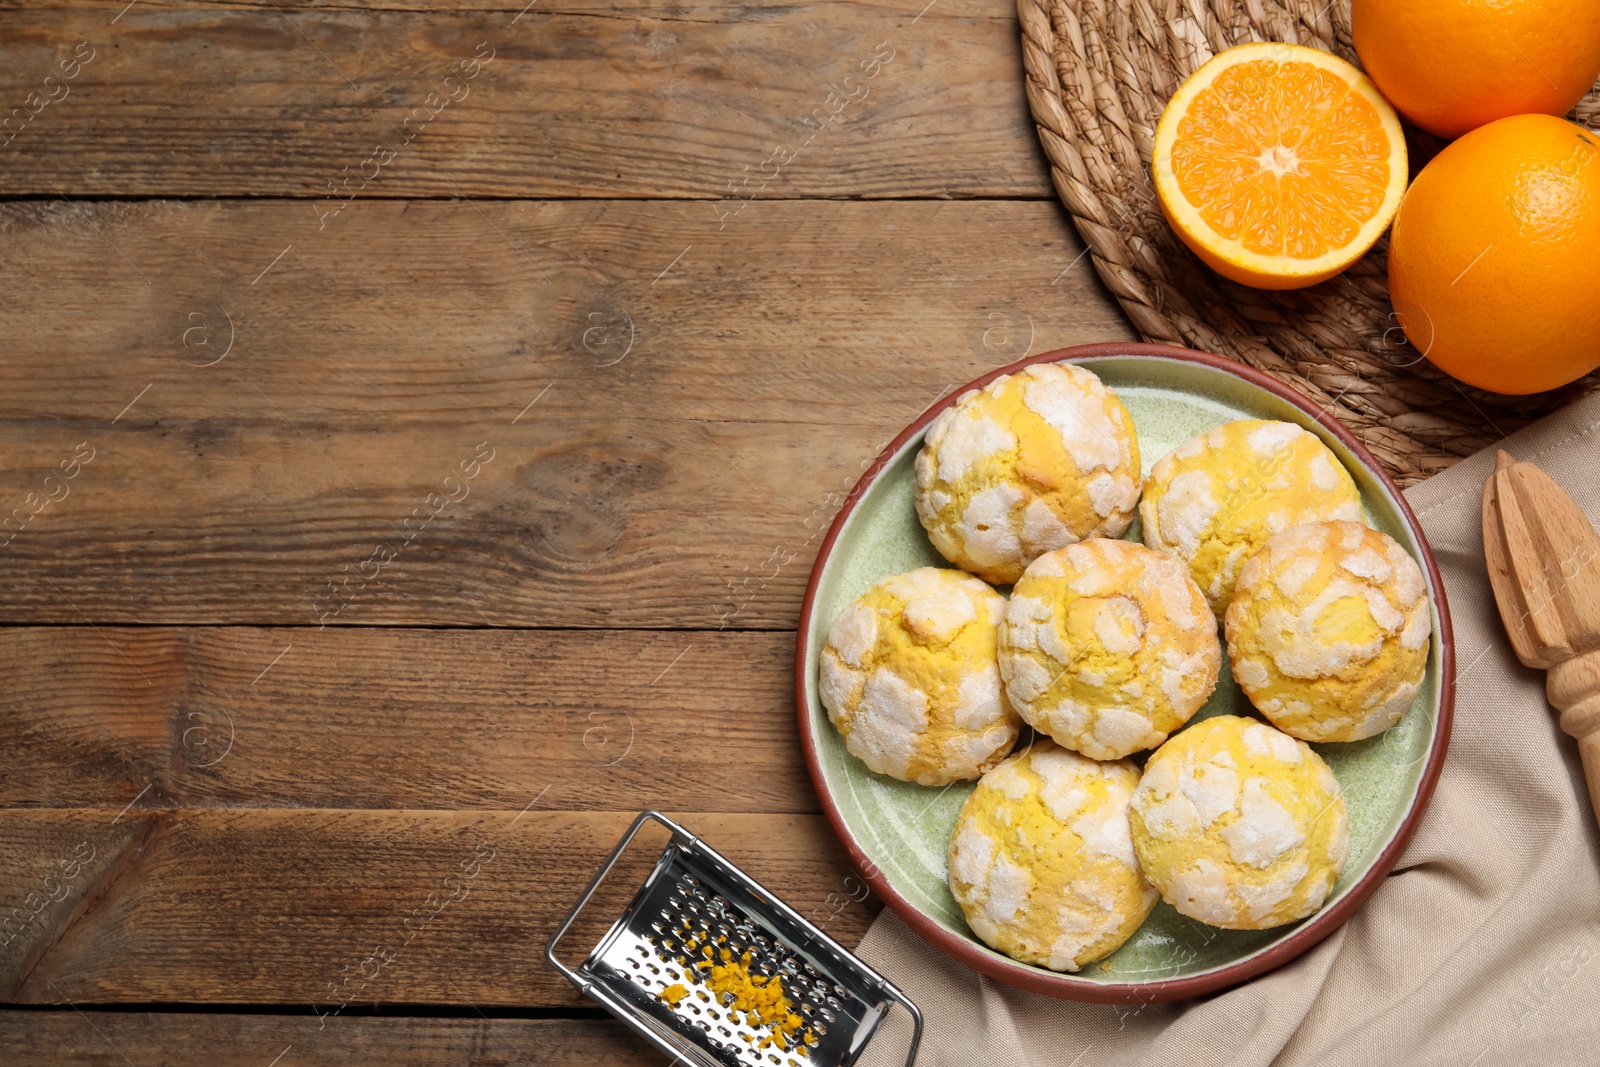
x: 1041, y: 860
x: 1240, y: 825
x: 1108, y: 646
x: 1215, y: 499
x: 910, y: 681
x: 1328, y: 631
x: 1031, y: 462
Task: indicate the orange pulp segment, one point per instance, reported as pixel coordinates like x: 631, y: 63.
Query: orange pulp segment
x: 1279, y: 165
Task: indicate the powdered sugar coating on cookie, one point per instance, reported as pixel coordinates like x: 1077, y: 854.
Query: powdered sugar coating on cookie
x: 1042, y: 859
x: 1107, y: 647
x: 1239, y: 825
x: 1215, y: 499
x: 1031, y: 462
x: 1329, y: 629
x: 908, y: 677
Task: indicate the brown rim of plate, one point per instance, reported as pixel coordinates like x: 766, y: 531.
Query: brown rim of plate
x: 1049, y: 983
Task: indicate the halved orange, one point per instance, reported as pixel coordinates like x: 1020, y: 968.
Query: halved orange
x: 1279, y: 165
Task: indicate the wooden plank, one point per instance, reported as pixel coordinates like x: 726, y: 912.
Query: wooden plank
x: 624, y: 101
x: 707, y: 11
x: 68, y: 1038
x: 250, y: 906
x: 705, y: 398
x: 381, y: 718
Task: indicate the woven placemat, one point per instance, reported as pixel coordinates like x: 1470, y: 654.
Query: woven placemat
x: 1098, y: 74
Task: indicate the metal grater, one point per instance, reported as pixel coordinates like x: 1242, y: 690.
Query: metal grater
x: 694, y: 893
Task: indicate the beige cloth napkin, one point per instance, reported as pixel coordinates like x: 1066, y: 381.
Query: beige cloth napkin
x: 1483, y: 945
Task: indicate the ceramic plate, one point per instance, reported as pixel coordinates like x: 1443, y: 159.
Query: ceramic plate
x: 896, y: 832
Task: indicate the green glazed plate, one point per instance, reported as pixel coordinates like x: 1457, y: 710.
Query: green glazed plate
x: 897, y: 832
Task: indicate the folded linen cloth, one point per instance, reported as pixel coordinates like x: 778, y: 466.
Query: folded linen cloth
x: 1481, y: 948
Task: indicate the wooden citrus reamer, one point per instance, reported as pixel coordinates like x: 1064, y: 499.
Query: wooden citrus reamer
x: 1544, y: 564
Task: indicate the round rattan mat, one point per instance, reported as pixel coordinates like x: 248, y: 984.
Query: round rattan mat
x: 1098, y: 74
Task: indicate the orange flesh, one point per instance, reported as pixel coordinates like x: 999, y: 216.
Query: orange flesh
x: 1283, y: 157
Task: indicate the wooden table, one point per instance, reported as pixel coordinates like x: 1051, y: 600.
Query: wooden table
x: 419, y: 421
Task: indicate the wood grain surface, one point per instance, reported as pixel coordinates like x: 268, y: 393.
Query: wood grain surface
x: 41, y: 1038
x: 328, y: 908
x: 376, y: 719
x: 659, y: 100
x: 699, y: 392
x: 417, y: 423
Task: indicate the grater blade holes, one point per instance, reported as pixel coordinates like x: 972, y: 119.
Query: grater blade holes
x: 696, y: 926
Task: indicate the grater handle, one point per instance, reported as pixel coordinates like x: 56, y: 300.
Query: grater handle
x: 678, y: 834
x: 916, y: 1021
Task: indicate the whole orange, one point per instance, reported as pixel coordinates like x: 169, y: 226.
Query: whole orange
x: 1453, y: 65
x: 1494, y: 257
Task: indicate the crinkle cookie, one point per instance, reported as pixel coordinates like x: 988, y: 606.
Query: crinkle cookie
x: 1215, y: 499
x: 1041, y: 860
x: 1240, y: 825
x: 1031, y: 462
x: 1108, y: 646
x: 910, y: 681
x: 1328, y: 631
